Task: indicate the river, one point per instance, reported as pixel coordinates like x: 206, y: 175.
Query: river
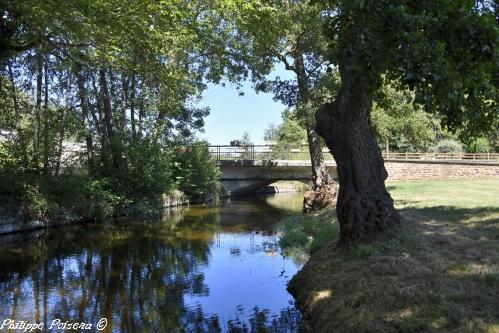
x: 196, y: 269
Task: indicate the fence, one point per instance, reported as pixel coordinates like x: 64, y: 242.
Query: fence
x: 278, y: 152
x: 263, y: 152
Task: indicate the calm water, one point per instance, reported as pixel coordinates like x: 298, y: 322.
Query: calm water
x: 199, y: 269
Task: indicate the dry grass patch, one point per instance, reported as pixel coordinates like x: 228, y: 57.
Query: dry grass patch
x: 439, y: 273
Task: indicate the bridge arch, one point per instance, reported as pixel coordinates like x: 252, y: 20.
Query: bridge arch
x: 241, y: 177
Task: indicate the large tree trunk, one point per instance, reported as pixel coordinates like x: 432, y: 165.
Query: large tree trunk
x: 364, y: 206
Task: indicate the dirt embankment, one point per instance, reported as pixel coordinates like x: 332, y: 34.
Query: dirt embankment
x: 440, y: 273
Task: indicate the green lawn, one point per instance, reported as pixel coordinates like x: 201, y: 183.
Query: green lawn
x: 439, y: 273
x: 473, y: 193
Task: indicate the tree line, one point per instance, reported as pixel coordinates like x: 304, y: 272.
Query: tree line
x: 124, y: 78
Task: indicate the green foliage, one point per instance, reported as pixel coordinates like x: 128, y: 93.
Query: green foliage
x: 400, y: 123
x: 309, y: 234
x: 448, y: 146
x: 444, y: 51
x: 123, y: 82
x: 197, y: 173
x: 479, y: 145
x: 151, y: 172
x: 291, y: 133
x: 104, y: 198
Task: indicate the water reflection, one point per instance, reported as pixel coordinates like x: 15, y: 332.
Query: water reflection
x: 215, y: 269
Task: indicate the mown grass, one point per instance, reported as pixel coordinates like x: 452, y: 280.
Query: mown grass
x: 439, y: 273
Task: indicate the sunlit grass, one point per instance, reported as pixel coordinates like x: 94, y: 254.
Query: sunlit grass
x: 469, y: 193
x: 439, y: 272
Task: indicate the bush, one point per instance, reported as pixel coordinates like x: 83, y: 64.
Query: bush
x: 104, y: 198
x: 447, y: 146
x: 480, y: 145
x: 197, y: 173
x: 151, y: 172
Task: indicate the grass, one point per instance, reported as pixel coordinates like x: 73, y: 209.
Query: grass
x: 301, y: 235
x: 439, y: 273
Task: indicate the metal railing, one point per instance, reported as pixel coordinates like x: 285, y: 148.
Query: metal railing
x: 263, y: 152
x: 301, y: 152
x: 479, y: 157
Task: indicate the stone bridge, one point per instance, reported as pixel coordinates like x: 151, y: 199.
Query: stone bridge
x: 240, y: 177
x: 246, y: 169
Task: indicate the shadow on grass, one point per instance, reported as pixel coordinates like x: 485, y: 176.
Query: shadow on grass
x: 439, y: 273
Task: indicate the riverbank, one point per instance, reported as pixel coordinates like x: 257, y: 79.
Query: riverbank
x: 439, y: 273
x: 199, y: 269
x: 48, y: 202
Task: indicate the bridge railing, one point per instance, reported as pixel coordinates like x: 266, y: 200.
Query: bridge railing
x: 264, y: 152
x: 301, y: 152
x: 478, y: 157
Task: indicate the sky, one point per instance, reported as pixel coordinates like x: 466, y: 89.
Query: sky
x: 231, y: 114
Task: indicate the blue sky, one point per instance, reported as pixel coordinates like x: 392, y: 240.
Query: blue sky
x: 231, y: 114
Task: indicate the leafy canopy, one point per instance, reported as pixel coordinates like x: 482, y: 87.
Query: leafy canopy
x: 446, y: 51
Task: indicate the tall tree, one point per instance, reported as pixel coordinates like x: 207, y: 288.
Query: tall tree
x: 445, y: 51
x: 288, y: 33
x: 38, y: 109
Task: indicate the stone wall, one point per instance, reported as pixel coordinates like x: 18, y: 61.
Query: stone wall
x: 424, y: 170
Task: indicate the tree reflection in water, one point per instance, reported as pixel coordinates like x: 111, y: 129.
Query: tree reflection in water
x: 147, y: 276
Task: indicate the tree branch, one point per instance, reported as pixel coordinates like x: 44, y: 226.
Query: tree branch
x: 282, y: 58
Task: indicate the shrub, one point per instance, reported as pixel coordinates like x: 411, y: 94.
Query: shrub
x: 197, y: 173
x: 447, y: 146
x: 104, y: 200
x: 479, y: 145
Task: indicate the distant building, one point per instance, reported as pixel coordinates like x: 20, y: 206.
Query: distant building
x: 7, y: 135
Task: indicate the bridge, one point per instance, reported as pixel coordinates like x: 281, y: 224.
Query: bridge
x: 246, y: 169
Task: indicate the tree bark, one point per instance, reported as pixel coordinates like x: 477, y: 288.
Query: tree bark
x: 319, y: 170
x: 364, y: 206
x: 142, y: 111
x: 14, y: 97
x: 96, y: 107
x: 17, y: 115
x: 82, y: 94
x: 124, y: 102
x: 46, y: 120
x: 38, y: 108
x: 99, y: 120
x: 62, y: 128
x: 114, y: 145
x: 132, y: 106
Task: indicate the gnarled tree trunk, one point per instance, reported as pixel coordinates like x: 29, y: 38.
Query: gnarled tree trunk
x: 322, y: 193
x: 364, y: 206
x: 319, y: 169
